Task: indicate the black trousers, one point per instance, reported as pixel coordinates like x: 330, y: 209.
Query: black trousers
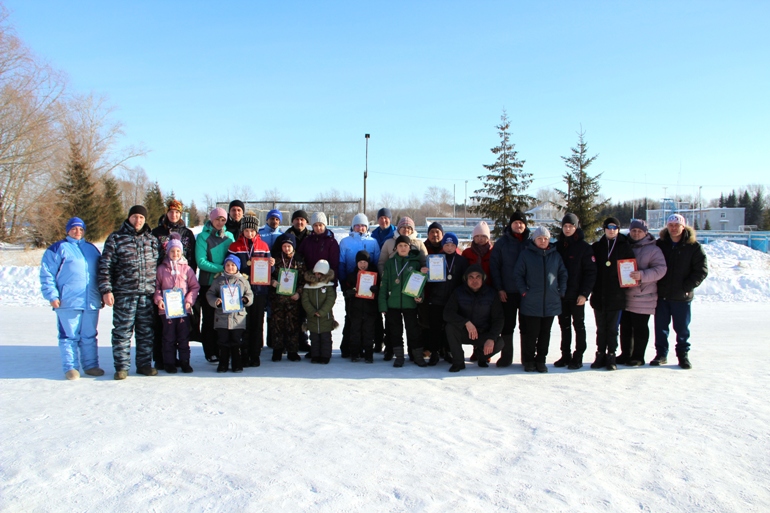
x: 634, y: 334
x: 606, y: 330
x: 571, y: 312
x: 321, y: 345
x: 457, y: 335
x: 510, y: 310
x: 208, y: 334
x: 361, y: 332
x: 393, y: 319
x: 229, y: 338
x: 434, y: 335
x: 536, y: 338
x: 255, y: 318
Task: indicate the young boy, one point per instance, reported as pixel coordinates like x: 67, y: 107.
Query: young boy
x: 229, y: 326
x: 361, y: 312
x: 318, y: 297
x: 287, y: 310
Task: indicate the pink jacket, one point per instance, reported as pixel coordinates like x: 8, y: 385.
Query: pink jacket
x: 643, y: 298
x: 184, y: 279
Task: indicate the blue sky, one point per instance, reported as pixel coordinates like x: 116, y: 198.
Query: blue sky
x: 280, y: 94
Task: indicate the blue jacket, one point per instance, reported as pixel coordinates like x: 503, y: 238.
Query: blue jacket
x: 542, y: 279
x: 68, y: 273
x: 502, y: 260
x: 268, y: 235
x: 351, y: 245
x: 381, y: 235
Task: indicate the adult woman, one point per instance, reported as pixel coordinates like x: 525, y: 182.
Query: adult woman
x: 69, y: 283
x: 320, y: 245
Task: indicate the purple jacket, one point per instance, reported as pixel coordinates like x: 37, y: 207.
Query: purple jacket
x: 321, y: 247
x: 651, y: 262
x: 183, y: 279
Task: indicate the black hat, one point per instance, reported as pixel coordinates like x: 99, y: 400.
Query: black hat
x: 570, y: 219
x: 436, y: 224
x: 518, y: 216
x: 290, y: 238
x: 362, y: 255
x: 302, y: 214
x: 236, y: 203
x: 138, y: 209
x: 609, y: 221
x: 404, y: 239
x: 475, y: 268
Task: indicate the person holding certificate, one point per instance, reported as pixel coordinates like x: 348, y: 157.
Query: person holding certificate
x: 318, y: 298
x: 176, y: 289
x: 361, y: 314
x: 288, y: 278
x: 642, y: 299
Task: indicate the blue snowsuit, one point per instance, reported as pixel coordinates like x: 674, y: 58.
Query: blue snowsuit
x: 68, y: 273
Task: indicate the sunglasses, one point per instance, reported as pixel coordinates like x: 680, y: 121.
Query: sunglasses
x: 612, y: 227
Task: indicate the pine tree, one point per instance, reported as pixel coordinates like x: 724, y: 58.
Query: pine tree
x: 112, y: 209
x: 707, y: 226
x: 581, y: 197
x: 505, y: 184
x: 696, y: 225
x: 153, y: 202
x: 721, y: 200
x: 732, y: 200
x: 194, y: 215
x: 76, y: 195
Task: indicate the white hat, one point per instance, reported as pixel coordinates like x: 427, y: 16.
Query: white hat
x: 360, y: 219
x: 318, y: 217
x: 322, y: 266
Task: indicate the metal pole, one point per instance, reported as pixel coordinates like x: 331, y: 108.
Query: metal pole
x: 366, y: 170
x: 454, y: 201
x: 465, y: 210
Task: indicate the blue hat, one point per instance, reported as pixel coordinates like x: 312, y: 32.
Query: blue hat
x: 450, y: 237
x: 74, y: 222
x: 234, y: 259
x: 384, y: 212
x: 275, y: 213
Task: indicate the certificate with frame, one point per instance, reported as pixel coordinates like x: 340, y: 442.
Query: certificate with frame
x: 625, y: 268
x: 414, y: 284
x: 287, y: 281
x: 173, y: 303
x: 260, y: 271
x: 231, y: 298
x: 366, y: 280
x: 436, y: 268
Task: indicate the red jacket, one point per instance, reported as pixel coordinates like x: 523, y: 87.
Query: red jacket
x: 473, y: 258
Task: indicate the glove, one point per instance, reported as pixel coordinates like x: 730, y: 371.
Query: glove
x: 245, y: 300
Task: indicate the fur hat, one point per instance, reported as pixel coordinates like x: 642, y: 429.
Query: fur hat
x: 638, y: 223
x: 609, y: 221
x: 322, y: 266
x: 275, y: 213
x: 404, y: 239
x: 138, y: 209
x: 360, y: 219
x: 74, y: 222
x: 676, y: 219
x: 570, y: 219
x: 362, y: 255
x: 540, y: 231
x: 249, y: 221
x: 384, y: 212
x: 217, y: 212
x: 174, y: 241
x: 236, y: 203
x: 318, y: 217
x: 482, y: 229
x: 406, y: 221
x: 436, y: 224
x: 234, y: 259
x: 300, y: 213
x: 174, y: 204
x: 450, y: 237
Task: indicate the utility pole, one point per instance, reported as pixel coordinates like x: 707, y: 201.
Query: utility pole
x: 454, y: 200
x: 465, y: 210
x: 366, y: 170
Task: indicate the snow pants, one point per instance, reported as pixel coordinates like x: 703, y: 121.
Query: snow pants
x: 360, y: 332
x: 457, y: 335
x: 536, y: 338
x: 77, y: 338
x: 680, y: 312
x: 176, y: 337
x: 132, y: 314
x: 321, y: 345
x: 393, y: 318
x: 434, y: 336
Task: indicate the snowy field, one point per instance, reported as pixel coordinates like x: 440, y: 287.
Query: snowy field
x: 354, y: 437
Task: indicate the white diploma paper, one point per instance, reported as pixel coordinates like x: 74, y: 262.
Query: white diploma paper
x: 173, y: 302
x: 231, y: 298
x: 436, y: 268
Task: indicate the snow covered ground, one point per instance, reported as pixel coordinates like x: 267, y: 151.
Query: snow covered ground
x: 357, y: 437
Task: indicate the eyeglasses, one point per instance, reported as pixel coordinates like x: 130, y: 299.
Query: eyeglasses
x: 612, y: 227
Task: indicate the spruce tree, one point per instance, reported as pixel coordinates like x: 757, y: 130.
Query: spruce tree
x: 581, y: 196
x: 505, y: 184
x: 153, y: 202
x: 194, y: 215
x: 112, y: 210
x: 76, y: 195
x: 707, y: 226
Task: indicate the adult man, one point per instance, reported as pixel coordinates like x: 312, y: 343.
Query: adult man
x: 127, y: 282
x: 474, y: 315
x: 435, y: 234
x: 686, y: 269
x: 299, y: 221
x: 502, y: 261
x: 388, y: 250
x: 385, y: 230
x: 234, y: 215
x: 271, y: 231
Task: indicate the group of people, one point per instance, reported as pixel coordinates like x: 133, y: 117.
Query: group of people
x: 168, y: 287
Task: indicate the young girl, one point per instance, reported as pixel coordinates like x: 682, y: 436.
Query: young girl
x: 361, y: 312
x: 286, y: 310
x: 229, y: 326
x: 175, y: 273
x: 318, y: 297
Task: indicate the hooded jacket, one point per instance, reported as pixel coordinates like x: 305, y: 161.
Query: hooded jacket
x: 607, y: 294
x: 233, y: 320
x: 359, y: 305
x: 578, y: 257
x: 643, y: 298
x: 211, y: 251
x: 686, y: 265
x: 319, y: 296
x: 350, y: 246
x: 502, y: 260
x: 317, y: 247
x: 129, y: 261
x: 68, y: 272
x: 482, y: 308
x: 541, y: 277
x: 176, y: 275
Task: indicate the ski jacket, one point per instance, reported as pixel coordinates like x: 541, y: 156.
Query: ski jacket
x: 321, y: 247
x: 578, y: 257
x: 68, y: 272
x: 187, y: 237
x: 319, y: 295
x: 382, y: 236
x: 210, y: 252
x: 503, y: 257
x: 482, y: 308
x: 351, y: 245
x: 268, y: 235
x: 234, y: 320
x: 241, y: 249
x: 542, y: 279
x: 388, y: 250
x: 129, y: 261
x: 686, y: 266
x: 643, y: 298
x: 397, y: 268
x: 176, y: 275
x: 607, y: 294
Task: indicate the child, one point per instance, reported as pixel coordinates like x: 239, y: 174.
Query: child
x: 397, y: 305
x: 361, y: 312
x: 286, y: 310
x: 175, y: 273
x: 229, y: 326
x: 318, y: 297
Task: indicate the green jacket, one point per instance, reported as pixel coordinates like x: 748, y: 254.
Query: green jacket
x: 319, y: 296
x: 210, y: 252
x: 390, y: 295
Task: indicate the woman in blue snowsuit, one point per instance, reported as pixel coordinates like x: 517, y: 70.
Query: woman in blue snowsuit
x: 68, y: 281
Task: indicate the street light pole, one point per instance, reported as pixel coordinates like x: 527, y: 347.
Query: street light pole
x: 366, y: 170
x: 465, y: 210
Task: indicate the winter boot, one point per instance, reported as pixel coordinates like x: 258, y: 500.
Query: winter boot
x: 621, y: 359
x: 540, y: 367
x: 601, y: 361
x: 170, y: 368
x: 419, y: 357
x: 72, y: 374
x: 185, y: 364
x: 659, y: 360
x: 684, y: 362
x: 237, y: 360
x: 398, y: 353
x: 563, y: 361
x: 530, y: 367
x: 277, y: 355
x: 148, y: 370
x: 434, y: 359
x: 506, y: 355
x: 611, y: 362
x: 121, y: 374
x: 457, y: 367
x: 95, y: 371
x: 577, y: 361
x: 224, y: 359
x: 369, y: 355
x: 387, y: 355
x: 294, y: 357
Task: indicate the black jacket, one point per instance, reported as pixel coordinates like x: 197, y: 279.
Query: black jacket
x: 686, y: 263
x: 502, y: 261
x: 165, y: 229
x: 358, y: 305
x: 542, y: 279
x: 275, y: 249
x: 437, y: 293
x: 607, y: 294
x: 578, y: 257
x: 483, y: 308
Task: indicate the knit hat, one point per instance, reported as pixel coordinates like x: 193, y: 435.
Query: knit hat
x: 174, y: 241
x: 360, y: 219
x: 475, y: 268
x: 404, y: 239
x: 275, y: 213
x: 318, y: 217
x: 322, y: 266
x: 540, y: 231
x: 676, y: 218
x: 481, y: 229
x: 234, y: 259
x: 406, y: 221
x: 174, y: 204
x: 450, y: 237
x: 290, y: 238
x: 436, y: 224
x: 218, y: 212
x: 362, y: 255
x: 638, y: 223
x: 518, y: 216
x: 236, y: 203
x: 138, y: 209
x: 609, y: 221
x: 384, y: 212
x: 75, y: 222
x: 300, y: 213
x: 249, y: 221
x: 570, y: 219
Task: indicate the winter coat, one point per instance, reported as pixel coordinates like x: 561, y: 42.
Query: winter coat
x: 300, y: 236
x: 321, y: 247
x: 686, y: 264
x: 129, y: 261
x: 503, y: 257
x: 382, y: 236
x: 483, y: 308
x: 233, y: 320
x: 162, y: 232
x: 358, y: 305
x: 388, y: 250
x: 473, y: 257
x: 541, y: 277
x: 68, y: 272
x: 437, y: 293
x: 234, y: 227
x: 351, y: 245
x: 319, y: 295
x: 607, y: 294
x: 241, y: 249
x: 390, y: 295
x: 268, y: 235
x: 287, y: 313
x: 643, y: 298
x: 211, y: 251
x: 578, y: 257
x: 176, y: 275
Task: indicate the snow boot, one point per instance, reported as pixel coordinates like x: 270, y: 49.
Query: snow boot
x: 185, y: 365
x: 277, y: 355
x: 398, y: 353
x: 419, y: 357
x: 563, y: 361
x: 72, y: 374
x: 294, y: 357
x: 611, y: 362
x: 237, y: 360
x: 121, y: 374
x: 387, y: 355
x: 621, y: 359
x: 457, y: 367
x: 224, y: 359
x: 659, y: 360
x: 601, y: 361
x: 576, y: 362
x: 95, y: 371
x: 684, y: 362
x: 530, y: 367
x: 540, y: 367
x: 506, y: 354
x: 169, y: 368
x: 635, y: 363
x: 148, y: 370
x: 434, y: 359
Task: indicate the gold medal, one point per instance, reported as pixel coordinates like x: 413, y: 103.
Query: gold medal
x: 248, y: 263
x: 608, y: 263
